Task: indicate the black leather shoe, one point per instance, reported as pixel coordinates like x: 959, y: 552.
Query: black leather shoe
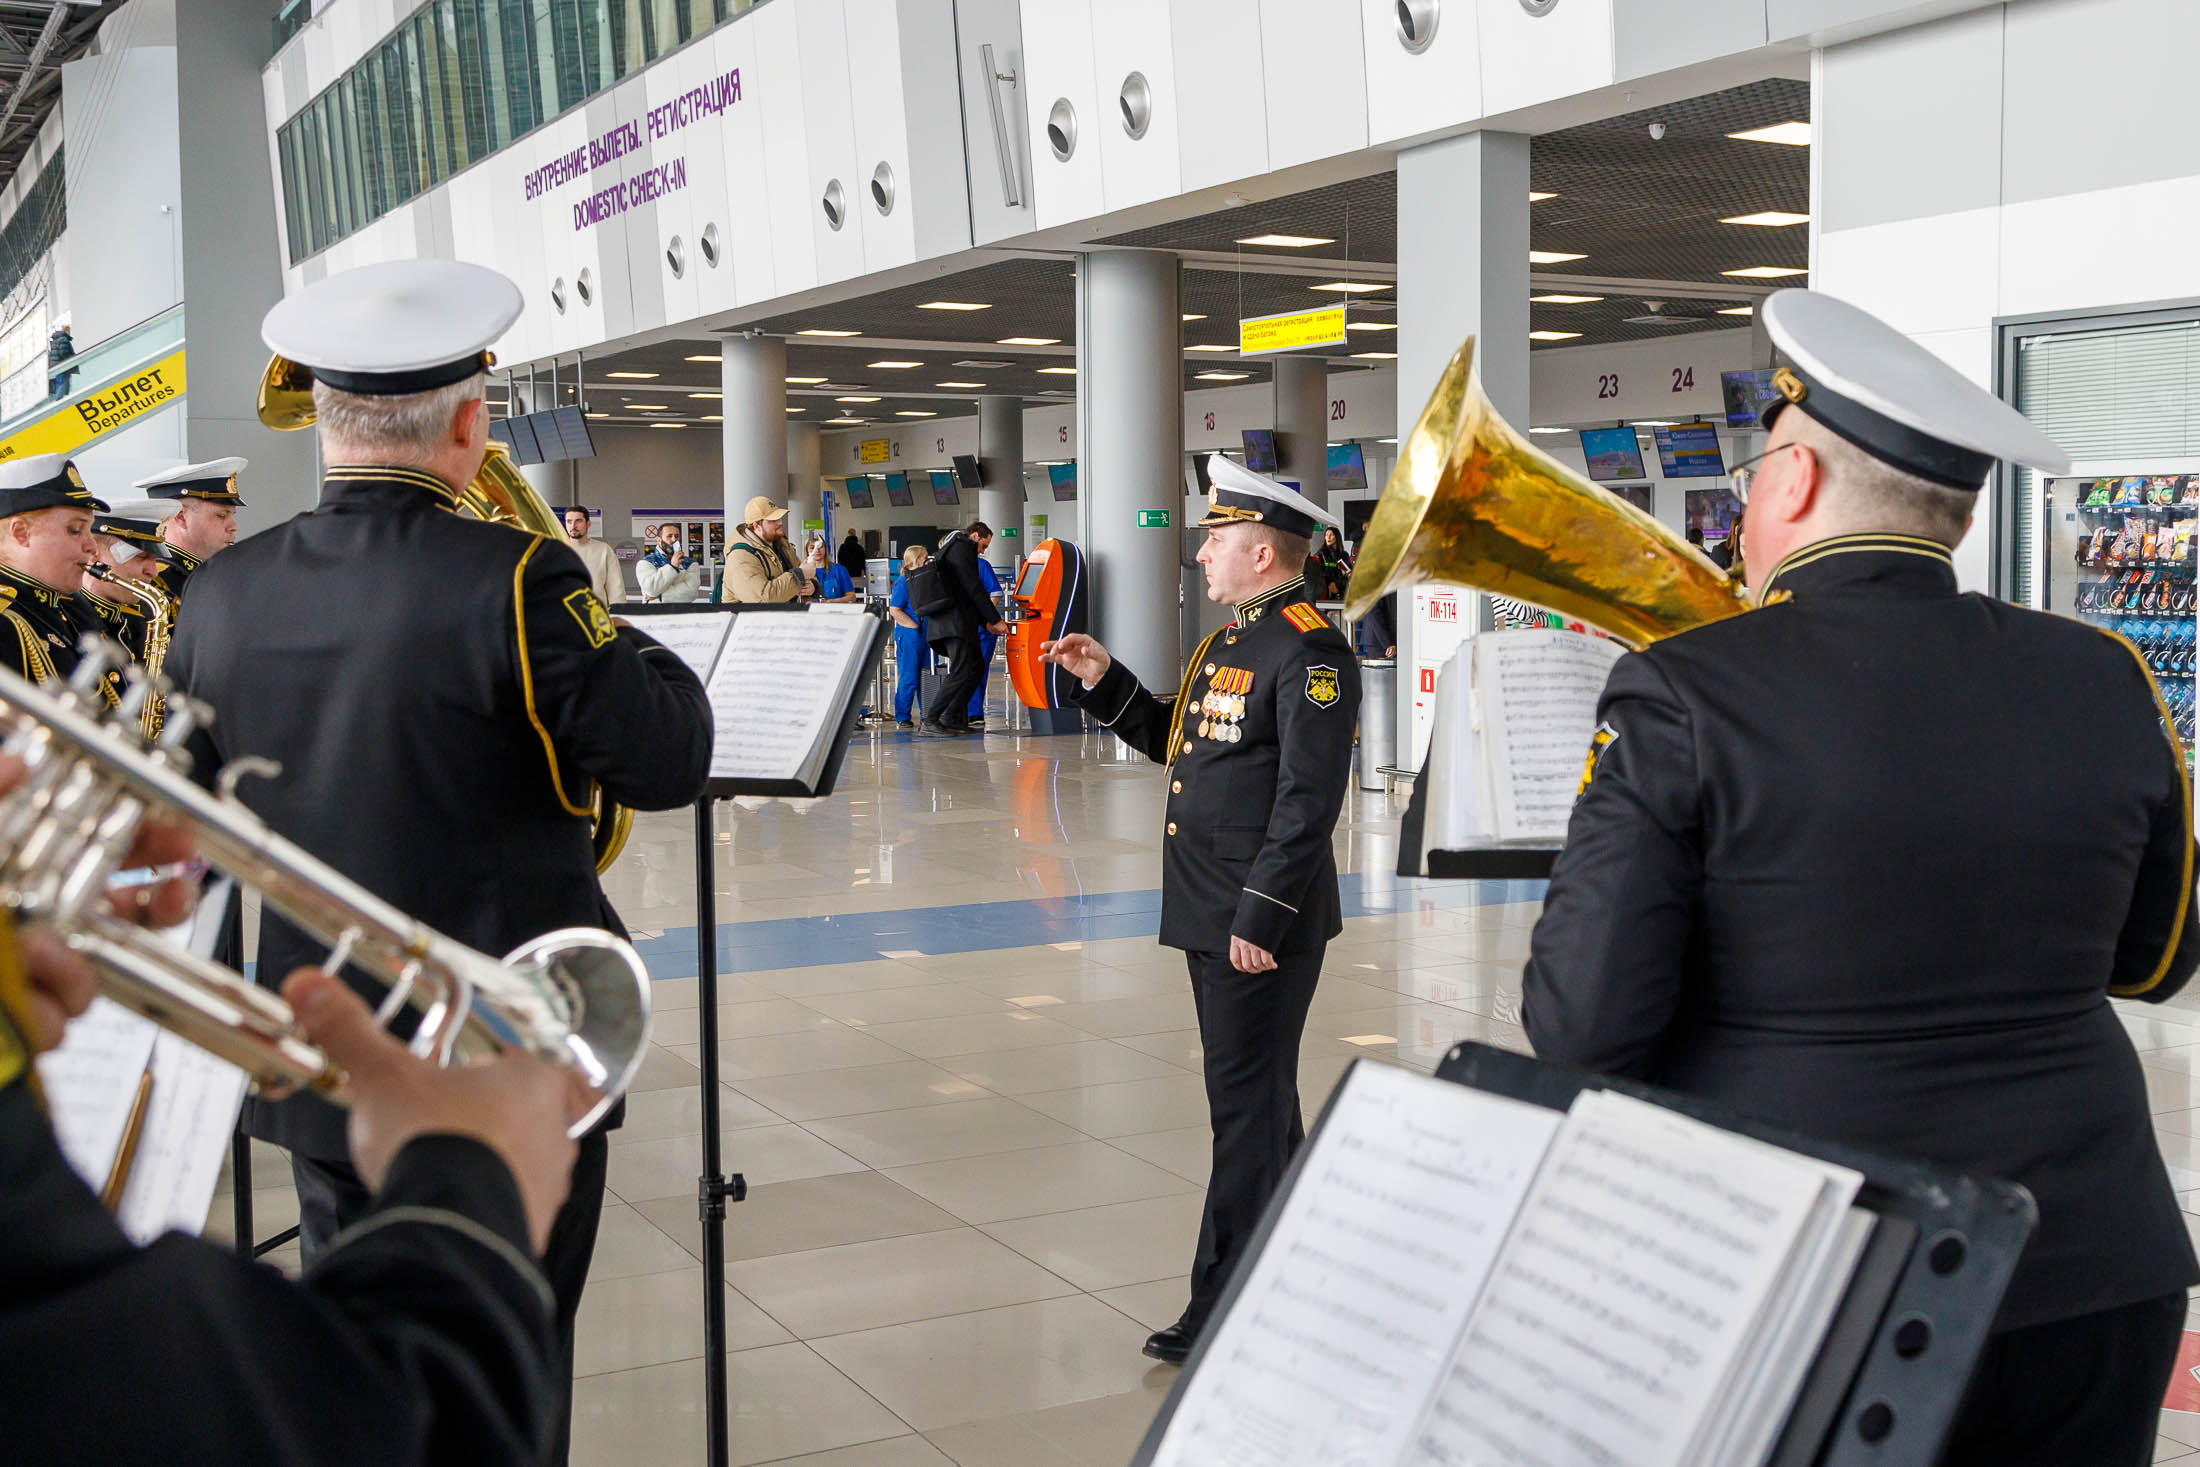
x: 1173, y: 1346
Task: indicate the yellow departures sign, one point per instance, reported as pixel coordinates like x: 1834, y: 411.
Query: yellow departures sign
x: 1291, y: 330
x: 69, y: 427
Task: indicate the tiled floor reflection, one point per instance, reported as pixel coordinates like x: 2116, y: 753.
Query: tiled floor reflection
x: 963, y: 1083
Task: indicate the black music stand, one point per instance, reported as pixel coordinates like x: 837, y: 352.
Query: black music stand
x: 1891, y: 1371
x: 713, y: 1188
x: 1478, y: 863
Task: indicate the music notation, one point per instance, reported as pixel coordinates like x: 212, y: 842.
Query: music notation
x: 1539, y: 694
x: 777, y: 688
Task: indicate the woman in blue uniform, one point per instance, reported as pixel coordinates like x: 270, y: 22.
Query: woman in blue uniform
x: 910, y: 652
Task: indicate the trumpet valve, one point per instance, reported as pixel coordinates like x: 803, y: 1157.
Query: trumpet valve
x: 141, y: 690
x: 100, y: 657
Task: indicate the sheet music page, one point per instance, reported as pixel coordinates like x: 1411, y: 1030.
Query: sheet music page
x: 695, y: 636
x: 1457, y: 816
x: 189, y: 1119
x: 1640, y: 1264
x: 91, y: 1083
x: 1343, y: 1326
x: 1539, y: 693
x: 778, y: 687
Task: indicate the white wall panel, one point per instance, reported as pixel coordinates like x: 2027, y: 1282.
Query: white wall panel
x: 1409, y: 94
x: 1133, y: 36
x: 1218, y: 53
x: 1528, y: 59
x: 787, y: 206
x: 1650, y: 36
x: 674, y: 214
x: 934, y: 179
x: 992, y: 180
x: 827, y: 120
x: 1935, y: 274
x: 881, y: 133
x: 1314, y: 80
x: 1675, y: 378
x: 2109, y: 247
x: 1058, y: 65
x: 734, y: 134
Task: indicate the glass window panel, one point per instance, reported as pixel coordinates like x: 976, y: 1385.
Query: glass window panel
x: 397, y: 123
x: 473, y: 70
x: 542, y: 51
x: 629, y: 36
x: 426, y: 147
x: 598, y: 69
x: 660, y: 26
x: 451, y: 86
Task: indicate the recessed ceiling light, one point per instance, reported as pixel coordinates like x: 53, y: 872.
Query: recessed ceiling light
x: 1552, y: 257
x: 1351, y: 287
x: 955, y: 306
x: 1769, y: 219
x: 893, y: 364
x: 634, y: 376
x: 668, y: 425
x: 975, y: 365
x: 845, y: 422
x: 1193, y: 316
x: 714, y: 417
x: 1552, y: 335
x: 910, y: 413
x: 1737, y: 310
x: 1653, y: 423
x: 1286, y: 241
x: 1224, y: 376
x: 1057, y: 371
x: 1535, y: 197
x: 1371, y: 325
x: 1768, y: 272
x: 1031, y: 341
x: 855, y: 399
x: 598, y: 415
x: 1794, y: 134
x: 958, y: 384
x: 806, y: 381
x: 1564, y: 300
x: 707, y: 396
x: 795, y: 410
x: 826, y: 331
x: 1213, y: 346
x: 707, y: 359
x: 1550, y: 430
x: 645, y: 407
x: 1376, y: 356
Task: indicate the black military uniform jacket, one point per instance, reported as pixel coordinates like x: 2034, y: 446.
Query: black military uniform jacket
x: 445, y: 697
x: 423, y: 1337
x: 125, y: 622
x: 1258, y: 744
x: 41, y: 631
x: 1867, y: 863
x: 176, y: 570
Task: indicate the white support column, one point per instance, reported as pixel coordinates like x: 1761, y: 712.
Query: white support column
x: 752, y: 374
x: 1462, y: 271
x: 805, y: 477
x: 1001, y: 461
x: 1130, y: 459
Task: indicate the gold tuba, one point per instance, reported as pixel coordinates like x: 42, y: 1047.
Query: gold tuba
x: 1472, y: 502
x: 498, y: 494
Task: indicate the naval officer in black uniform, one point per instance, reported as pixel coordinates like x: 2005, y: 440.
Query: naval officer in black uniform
x: 424, y: 1339
x: 46, y: 541
x: 131, y: 550
x: 204, y: 521
x: 446, y: 696
x: 1257, y: 742
x: 1869, y: 861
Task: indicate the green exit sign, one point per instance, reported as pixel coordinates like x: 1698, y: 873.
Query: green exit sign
x: 1153, y: 519
x: 1008, y: 532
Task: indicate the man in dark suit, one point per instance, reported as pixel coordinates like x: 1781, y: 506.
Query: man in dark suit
x: 955, y: 632
x: 446, y: 697
x: 1869, y: 861
x: 1258, y: 745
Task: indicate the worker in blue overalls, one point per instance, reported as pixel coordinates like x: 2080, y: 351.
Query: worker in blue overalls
x: 910, y: 652
x: 987, y: 641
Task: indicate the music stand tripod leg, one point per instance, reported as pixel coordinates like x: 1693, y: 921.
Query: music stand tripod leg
x: 713, y: 1189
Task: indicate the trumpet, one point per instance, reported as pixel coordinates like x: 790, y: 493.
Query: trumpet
x: 578, y: 997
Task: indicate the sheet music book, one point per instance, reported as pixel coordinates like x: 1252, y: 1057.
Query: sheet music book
x: 781, y: 682
x: 1457, y: 1278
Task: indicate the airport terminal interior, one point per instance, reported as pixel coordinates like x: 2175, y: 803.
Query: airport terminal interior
x: 1095, y: 278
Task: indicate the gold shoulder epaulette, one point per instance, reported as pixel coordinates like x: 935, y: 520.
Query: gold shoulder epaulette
x: 1304, y: 617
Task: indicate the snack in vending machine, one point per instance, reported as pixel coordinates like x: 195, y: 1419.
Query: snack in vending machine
x: 2130, y: 494
x: 2162, y: 489
x: 2191, y: 494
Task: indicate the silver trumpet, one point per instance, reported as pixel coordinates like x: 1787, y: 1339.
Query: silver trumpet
x: 578, y: 997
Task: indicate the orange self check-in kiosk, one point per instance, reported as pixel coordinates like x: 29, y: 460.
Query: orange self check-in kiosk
x: 1048, y: 600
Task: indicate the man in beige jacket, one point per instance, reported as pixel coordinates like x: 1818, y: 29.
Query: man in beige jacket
x: 604, y: 577
x: 759, y: 566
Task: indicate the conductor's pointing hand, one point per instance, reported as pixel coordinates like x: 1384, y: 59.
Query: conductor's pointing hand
x: 1086, y: 659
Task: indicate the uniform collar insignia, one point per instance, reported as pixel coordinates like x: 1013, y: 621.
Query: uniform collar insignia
x: 1898, y: 561
x: 1249, y: 612
x: 185, y: 558
x: 342, y: 476
x: 39, y: 590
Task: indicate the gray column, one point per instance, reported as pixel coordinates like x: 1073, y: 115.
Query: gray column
x: 1001, y: 460
x: 805, y: 476
x: 1130, y: 452
x: 1462, y: 270
x: 752, y: 374
x: 1302, y: 425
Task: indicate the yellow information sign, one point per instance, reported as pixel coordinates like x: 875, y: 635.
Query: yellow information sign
x: 1291, y: 331
x: 874, y: 451
x: 67, y: 429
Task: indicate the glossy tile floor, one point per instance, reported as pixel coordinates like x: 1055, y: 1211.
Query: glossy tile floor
x: 963, y: 1084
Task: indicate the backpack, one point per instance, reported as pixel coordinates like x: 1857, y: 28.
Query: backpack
x: 929, y: 592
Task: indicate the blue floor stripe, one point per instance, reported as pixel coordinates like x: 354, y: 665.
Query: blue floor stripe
x: 862, y: 937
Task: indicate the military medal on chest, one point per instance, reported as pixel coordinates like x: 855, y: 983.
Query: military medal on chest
x: 1222, y: 706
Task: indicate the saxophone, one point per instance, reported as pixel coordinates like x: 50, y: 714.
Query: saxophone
x: 160, y: 614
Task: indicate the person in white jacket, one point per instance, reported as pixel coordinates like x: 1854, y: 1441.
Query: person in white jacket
x: 602, y: 561
x: 669, y: 573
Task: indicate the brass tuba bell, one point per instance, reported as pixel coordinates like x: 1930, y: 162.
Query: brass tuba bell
x: 498, y: 493
x: 1472, y: 502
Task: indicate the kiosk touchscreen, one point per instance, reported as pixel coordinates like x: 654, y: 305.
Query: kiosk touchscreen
x: 1049, y: 601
